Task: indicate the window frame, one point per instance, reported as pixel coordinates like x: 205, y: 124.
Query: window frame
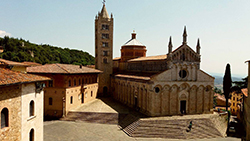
x: 5, y: 113
x: 31, y: 108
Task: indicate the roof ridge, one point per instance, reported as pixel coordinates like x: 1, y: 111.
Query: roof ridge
x: 62, y: 67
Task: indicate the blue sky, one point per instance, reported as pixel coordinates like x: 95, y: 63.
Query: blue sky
x: 222, y: 26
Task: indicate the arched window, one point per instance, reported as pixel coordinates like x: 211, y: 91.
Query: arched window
x: 74, y: 82
x: 69, y: 83
x: 50, y: 101
x: 32, y: 134
x: 32, y: 108
x: 4, y: 118
x: 71, y: 99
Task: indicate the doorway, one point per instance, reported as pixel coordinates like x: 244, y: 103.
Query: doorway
x: 183, y: 107
x: 105, y: 91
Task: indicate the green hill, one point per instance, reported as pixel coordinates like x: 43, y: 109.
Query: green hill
x: 20, y: 50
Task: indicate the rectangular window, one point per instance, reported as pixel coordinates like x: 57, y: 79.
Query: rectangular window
x: 105, y: 60
x: 105, y: 27
x: 105, y: 53
x: 105, y: 44
x: 105, y: 36
x: 51, y: 83
x: 50, y: 101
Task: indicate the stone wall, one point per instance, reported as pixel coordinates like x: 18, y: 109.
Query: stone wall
x: 133, y: 94
x: 87, y: 93
x: 10, y: 98
x: 32, y: 122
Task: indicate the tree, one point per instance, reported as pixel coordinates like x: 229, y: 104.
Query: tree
x: 227, y: 84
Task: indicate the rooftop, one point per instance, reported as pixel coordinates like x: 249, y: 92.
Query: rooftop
x: 9, y: 77
x: 32, y: 63
x: 245, y: 91
x: 12, y: 63
x: 62, y: 68
x: 149, y: 58
x: 133, y: 41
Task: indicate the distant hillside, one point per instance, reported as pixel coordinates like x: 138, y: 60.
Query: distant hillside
x: 218, y: 81
x: 20, y: 50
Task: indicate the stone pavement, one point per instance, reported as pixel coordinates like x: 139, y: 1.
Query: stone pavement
x: 85, y: 131
x: 82, y: 131
x: 104, y: 105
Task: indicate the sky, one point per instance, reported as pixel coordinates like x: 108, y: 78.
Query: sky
x: 223, y: 26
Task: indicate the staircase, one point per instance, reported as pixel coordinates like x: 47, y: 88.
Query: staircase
x: 174, y: 129
x: 92, y: 117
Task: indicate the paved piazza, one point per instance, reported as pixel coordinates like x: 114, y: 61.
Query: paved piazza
x: 83, y: 131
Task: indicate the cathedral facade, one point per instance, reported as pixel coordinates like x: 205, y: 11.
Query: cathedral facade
x: 168, y: 84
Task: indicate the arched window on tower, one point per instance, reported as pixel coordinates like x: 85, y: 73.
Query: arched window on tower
x: 4, y: 118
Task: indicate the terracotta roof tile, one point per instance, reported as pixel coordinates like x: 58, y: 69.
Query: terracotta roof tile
x: 12, y: 63
x: 62, y: 68
x: 32, y: 63
x: 9, y: 77
x: 245, y: 91
x: 149, y: 58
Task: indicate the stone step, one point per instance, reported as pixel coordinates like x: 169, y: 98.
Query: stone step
x: 176, y: 129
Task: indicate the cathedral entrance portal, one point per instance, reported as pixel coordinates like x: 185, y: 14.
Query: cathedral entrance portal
x: 183, y: 106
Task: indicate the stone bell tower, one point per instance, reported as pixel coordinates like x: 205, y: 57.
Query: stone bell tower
x: 104, y: 49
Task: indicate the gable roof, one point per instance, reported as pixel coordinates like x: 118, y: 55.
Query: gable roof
x: 9, y: 77
x: 62, y: 68
x: 185, y: 45
x: 149, y: 58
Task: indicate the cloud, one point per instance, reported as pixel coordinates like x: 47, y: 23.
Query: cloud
x: 4, y: 33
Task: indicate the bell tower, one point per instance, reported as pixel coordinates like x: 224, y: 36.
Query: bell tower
x: 104, y: 49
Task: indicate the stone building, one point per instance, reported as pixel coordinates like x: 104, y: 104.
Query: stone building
x: 236, y: 100
x: 104, y: 49
x: 168, y: 84
x: 71, y: 86
x: 21, y: 96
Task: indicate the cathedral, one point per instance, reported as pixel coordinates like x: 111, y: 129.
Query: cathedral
x: 168, y: 84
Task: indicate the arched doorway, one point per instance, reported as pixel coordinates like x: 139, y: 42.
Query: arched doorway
x: 183, y: 106
x: 105, y: 91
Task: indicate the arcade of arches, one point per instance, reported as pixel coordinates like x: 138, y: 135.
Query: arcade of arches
x: 159, y: 100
